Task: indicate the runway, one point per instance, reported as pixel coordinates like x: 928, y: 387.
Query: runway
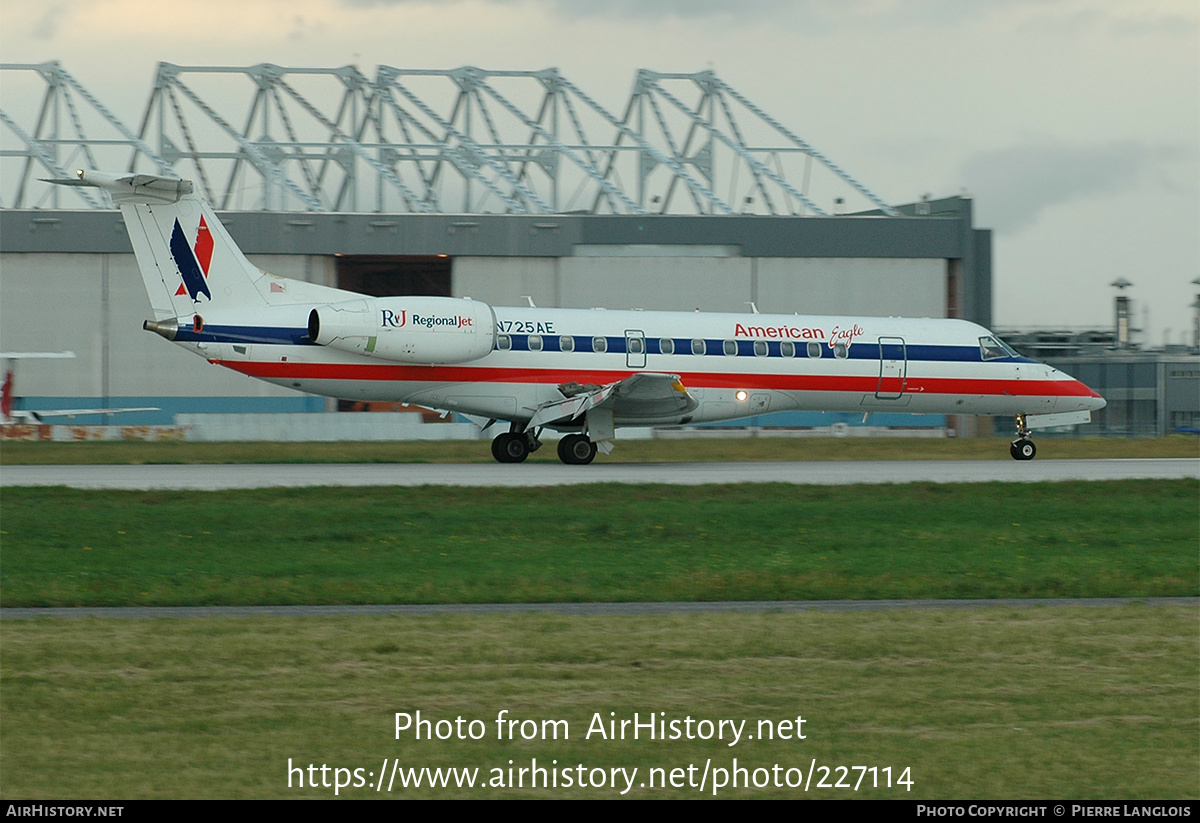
x: 200, y: 477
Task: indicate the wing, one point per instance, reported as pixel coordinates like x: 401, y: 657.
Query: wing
x: 643, y: 396
x: 39, y: 415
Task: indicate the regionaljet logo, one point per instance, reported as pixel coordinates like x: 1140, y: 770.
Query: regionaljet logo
x: 396, y: 320
x: 193, y: 262
x: 392, y: 321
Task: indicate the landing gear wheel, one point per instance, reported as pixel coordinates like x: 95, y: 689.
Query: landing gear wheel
x: 510, y: 447
x: 576, y: 450
x: 1022, y: 449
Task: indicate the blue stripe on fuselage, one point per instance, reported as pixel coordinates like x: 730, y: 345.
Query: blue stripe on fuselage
x: 615, y: 345
x: 745, y: 348
x: 245, y: 334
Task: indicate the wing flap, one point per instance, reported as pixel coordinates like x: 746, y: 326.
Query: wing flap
x: 642, y: 396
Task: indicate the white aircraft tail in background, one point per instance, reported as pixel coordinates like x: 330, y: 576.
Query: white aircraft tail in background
x: 10, y: 415
x: 580, y: 372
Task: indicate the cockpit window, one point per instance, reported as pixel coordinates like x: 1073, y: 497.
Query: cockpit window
x: 991, y: 348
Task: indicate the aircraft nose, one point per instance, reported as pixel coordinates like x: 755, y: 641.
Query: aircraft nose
x: 1078, y: 394
x: 1090, y: 400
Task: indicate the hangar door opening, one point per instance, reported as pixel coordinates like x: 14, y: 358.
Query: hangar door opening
x: 386, y: 275
x: 381, y: 275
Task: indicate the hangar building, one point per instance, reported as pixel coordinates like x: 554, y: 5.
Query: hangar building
x: 637, y: 218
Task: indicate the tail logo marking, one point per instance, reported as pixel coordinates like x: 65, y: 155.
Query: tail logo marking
x: 6, y: 396
x: 193, y: 263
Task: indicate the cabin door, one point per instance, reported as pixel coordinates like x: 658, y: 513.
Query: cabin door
x: 893, y: 368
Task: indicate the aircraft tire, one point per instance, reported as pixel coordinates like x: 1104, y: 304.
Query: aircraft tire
x: 576, y: 450
x: 510, y: 448
x: 1022, y: 449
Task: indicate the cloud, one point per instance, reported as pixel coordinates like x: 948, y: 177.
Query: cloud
x: 46, y: 26
x: 299, y: 28
x: 1014, y: 185
x: 848, y: 12
x: 617, y: 8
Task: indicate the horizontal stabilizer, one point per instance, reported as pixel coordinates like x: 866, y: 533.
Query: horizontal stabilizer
x: 36, y: 355
x: 130, y: 188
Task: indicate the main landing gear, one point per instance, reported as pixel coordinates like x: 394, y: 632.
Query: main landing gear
x: 576, y: 450
x: 514, y: 446
x: 1022, y: 448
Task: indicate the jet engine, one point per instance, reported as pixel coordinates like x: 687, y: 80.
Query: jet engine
x: 426, y: 330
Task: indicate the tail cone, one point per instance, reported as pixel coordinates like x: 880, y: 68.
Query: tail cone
x: 166, y: 328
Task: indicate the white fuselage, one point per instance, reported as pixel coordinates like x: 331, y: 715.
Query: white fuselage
x: 574, y: 370
x: 735, y: 365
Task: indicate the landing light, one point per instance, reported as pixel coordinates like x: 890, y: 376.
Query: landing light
x: 741, y: 395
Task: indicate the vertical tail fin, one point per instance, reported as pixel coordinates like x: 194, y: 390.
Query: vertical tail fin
x: 6, y: 396
x: 189, y: 263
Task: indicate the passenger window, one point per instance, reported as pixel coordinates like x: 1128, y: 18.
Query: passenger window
x: 600, y: 344
x: 503, y: 342
x: 787, y: 348
x: 814, y: 349
x: 840, y: 351
x: 760, y: 348
x: 535, y: 342
x: 698, y: 346
x: 666, y: 346
x: 566, y: 343
x: 636, y: 345
x: 730, y: 347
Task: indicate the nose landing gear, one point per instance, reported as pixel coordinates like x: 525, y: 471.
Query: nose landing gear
x: 1022, y: 448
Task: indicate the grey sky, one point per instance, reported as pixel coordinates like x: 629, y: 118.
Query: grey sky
x: 1074, y: 124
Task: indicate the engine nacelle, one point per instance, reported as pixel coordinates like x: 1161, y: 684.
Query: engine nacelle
x: 427, y: 330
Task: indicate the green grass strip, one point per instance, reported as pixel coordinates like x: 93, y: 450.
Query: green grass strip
x: 64, y: 547
x: 725, y: 448
x: 1051, y: 703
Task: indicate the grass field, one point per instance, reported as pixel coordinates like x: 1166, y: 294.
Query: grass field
x: 993, y: 702
x: 64, y: 547
x: 1058, y: 703
x: 627, y: 451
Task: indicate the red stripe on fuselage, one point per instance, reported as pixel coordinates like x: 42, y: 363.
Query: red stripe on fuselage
x: 779, y: 382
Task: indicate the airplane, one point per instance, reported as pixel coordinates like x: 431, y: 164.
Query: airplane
x: 580, y: 372
x: 10, y: 415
